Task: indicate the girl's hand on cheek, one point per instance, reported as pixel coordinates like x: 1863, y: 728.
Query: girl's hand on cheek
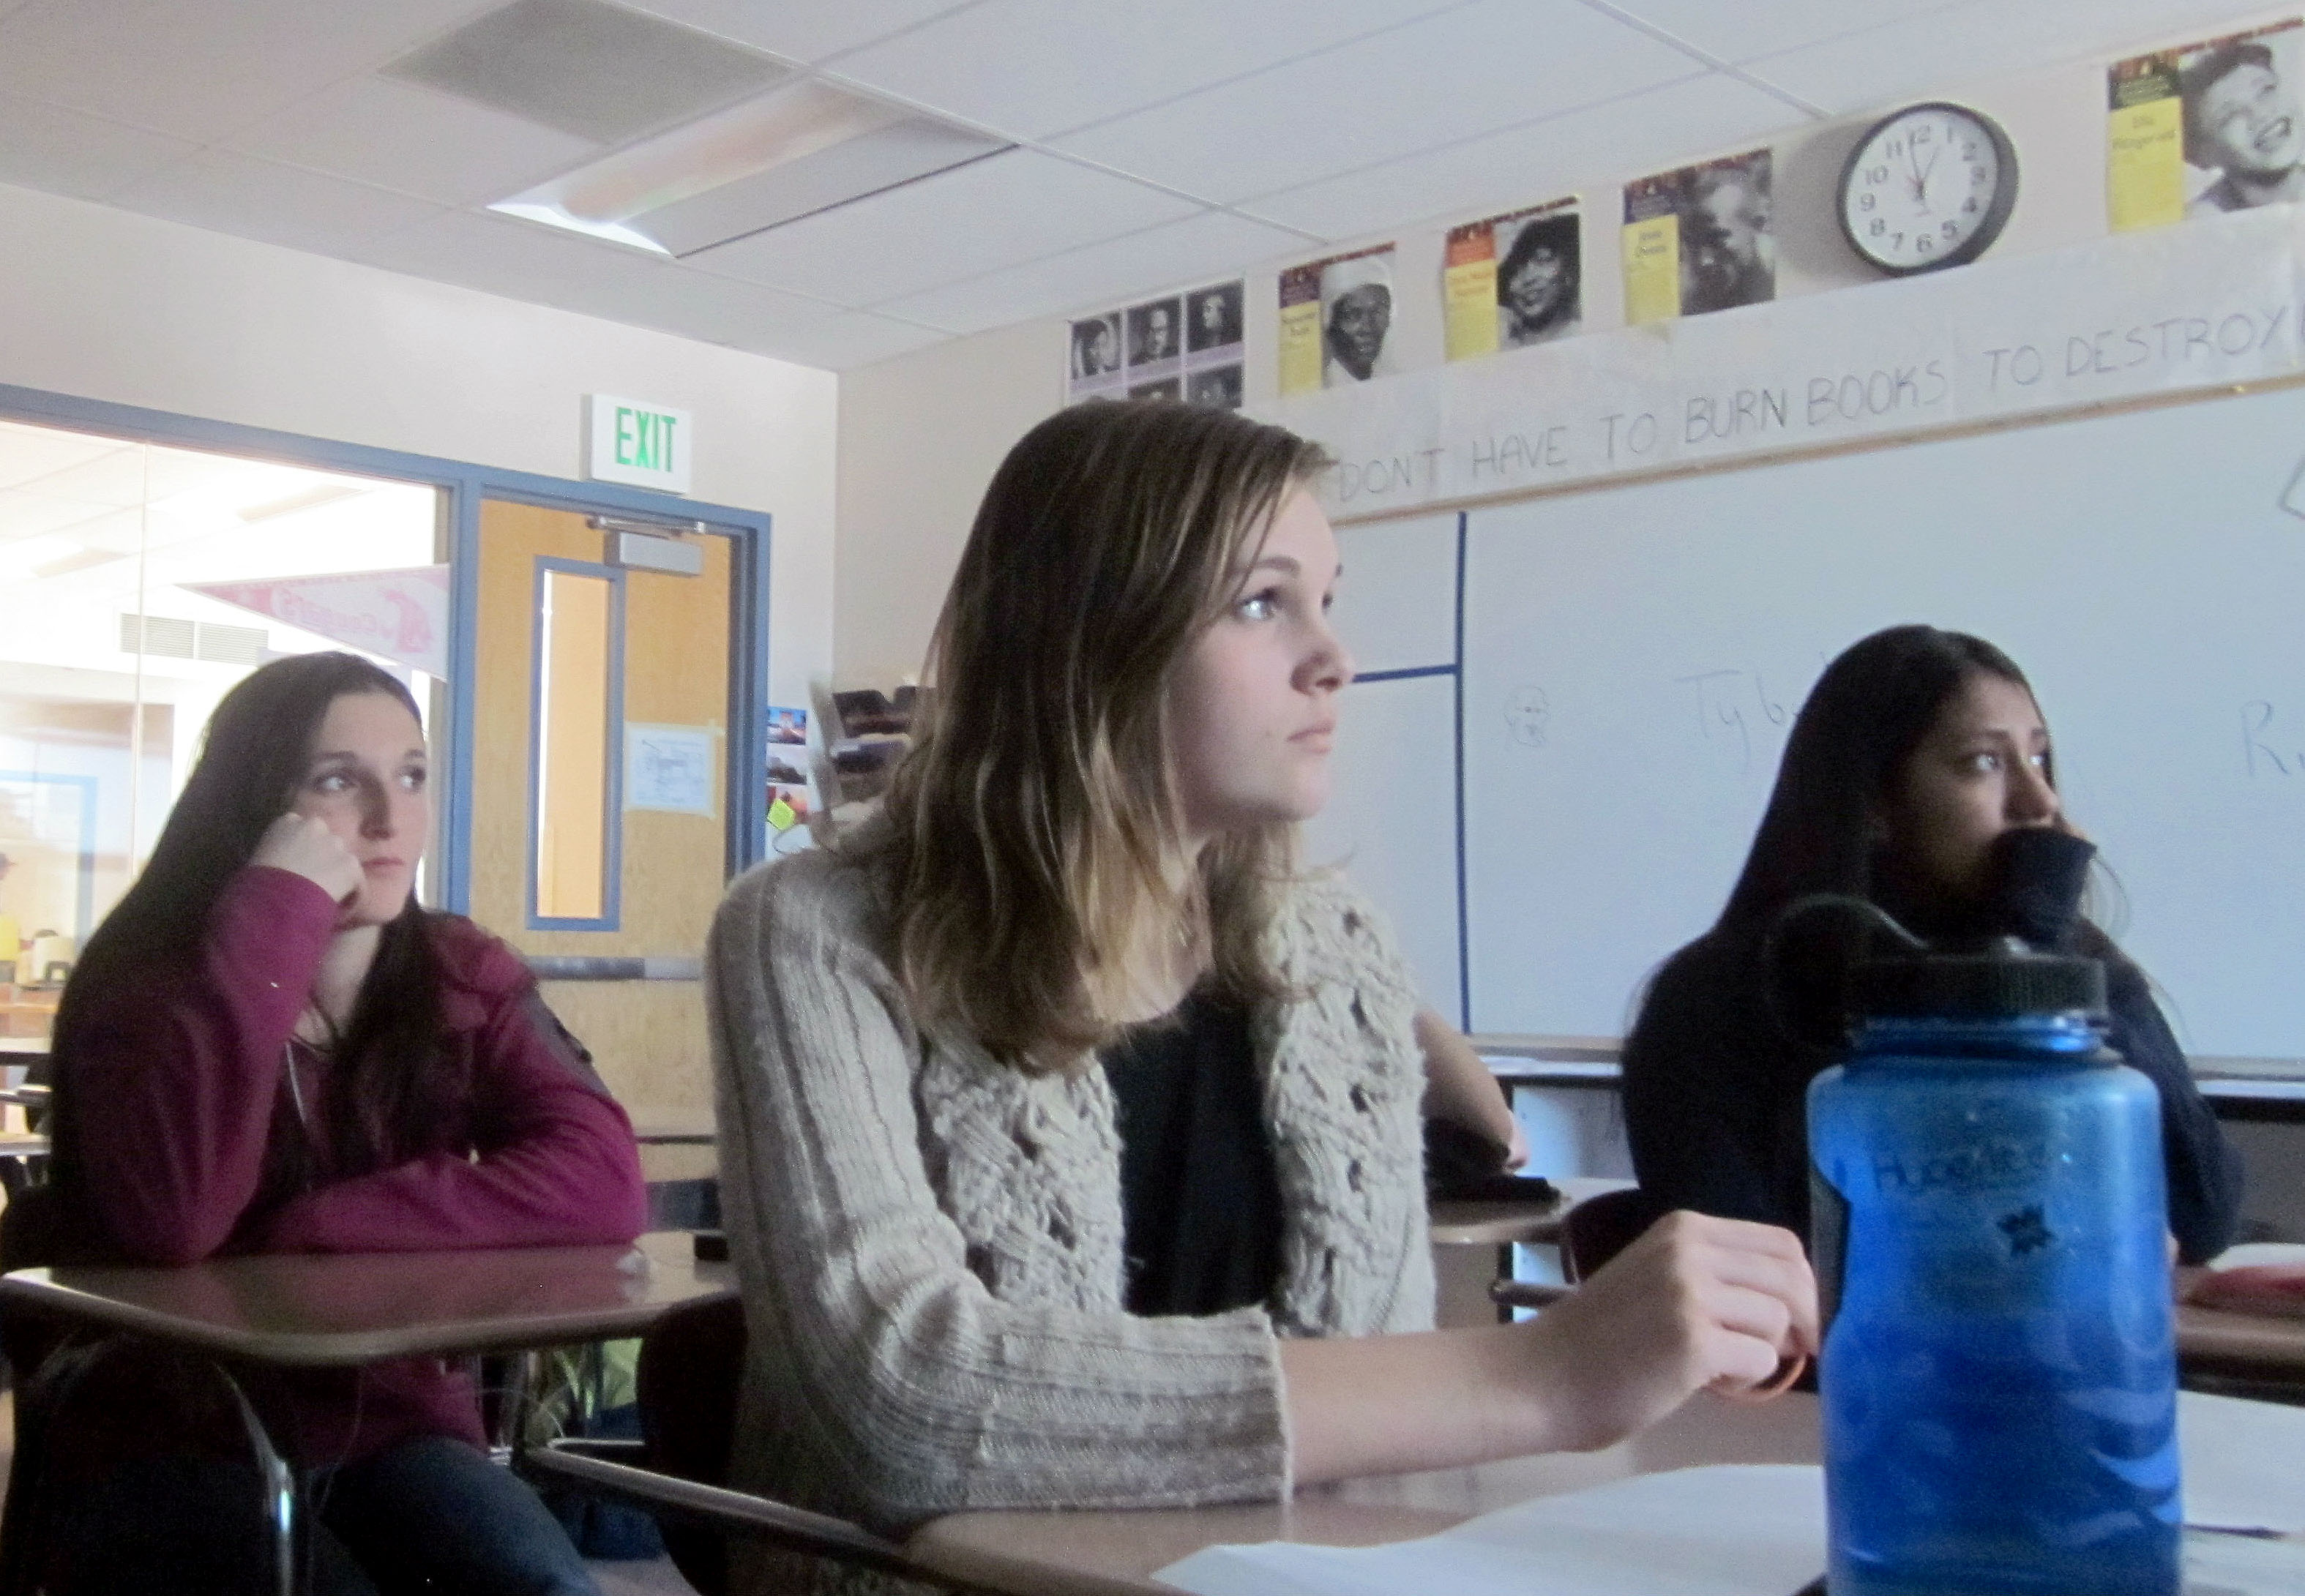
x: 307, y: 848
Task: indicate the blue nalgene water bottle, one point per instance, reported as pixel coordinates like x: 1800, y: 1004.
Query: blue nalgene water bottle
x: 1999, y: 1375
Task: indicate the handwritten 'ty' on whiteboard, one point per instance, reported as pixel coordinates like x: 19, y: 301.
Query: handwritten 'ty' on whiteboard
x: 1634, y: 657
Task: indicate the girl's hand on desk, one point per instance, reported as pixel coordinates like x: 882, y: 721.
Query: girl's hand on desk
x: 305, y: 845
x: 1695, y: 1303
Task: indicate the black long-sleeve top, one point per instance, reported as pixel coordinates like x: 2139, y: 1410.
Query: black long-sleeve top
x: 1716, y: 1104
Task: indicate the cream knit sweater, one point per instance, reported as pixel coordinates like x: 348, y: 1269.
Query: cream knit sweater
x: 930, y: 1242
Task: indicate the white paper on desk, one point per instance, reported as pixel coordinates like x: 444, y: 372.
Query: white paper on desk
x: 1749, y: 1529
x: 2242, y: 1461
x: 1743, y: 1530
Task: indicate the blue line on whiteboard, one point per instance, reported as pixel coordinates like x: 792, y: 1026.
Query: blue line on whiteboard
x: 1405, y: 674
x: 1464, y: 942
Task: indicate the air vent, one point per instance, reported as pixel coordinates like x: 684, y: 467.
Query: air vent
x: 597, y: 70
x: 170, y: 637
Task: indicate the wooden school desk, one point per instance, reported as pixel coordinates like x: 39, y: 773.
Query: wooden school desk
x: 1114, y: 1553
x: 316, y: 1311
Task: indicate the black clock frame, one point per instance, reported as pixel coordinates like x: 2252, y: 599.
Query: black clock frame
x: 1996, y: 215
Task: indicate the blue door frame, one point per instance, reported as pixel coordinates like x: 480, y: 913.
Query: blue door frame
x: 465, y: 486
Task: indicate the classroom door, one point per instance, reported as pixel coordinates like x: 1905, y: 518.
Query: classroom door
x: 601, y: 709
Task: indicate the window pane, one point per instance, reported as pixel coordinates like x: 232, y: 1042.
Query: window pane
x: 572, y: 754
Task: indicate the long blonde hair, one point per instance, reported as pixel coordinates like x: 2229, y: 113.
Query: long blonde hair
x: 1034, y: 848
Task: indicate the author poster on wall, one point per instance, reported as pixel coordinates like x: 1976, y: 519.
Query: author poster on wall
x: 1699, y: 238
x: 1511, y: 281
x: 1336, y: 321
x: 1184, y: 346
x: 2205, y: 128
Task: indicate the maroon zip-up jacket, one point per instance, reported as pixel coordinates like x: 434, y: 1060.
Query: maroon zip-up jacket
x: 176, y: 1078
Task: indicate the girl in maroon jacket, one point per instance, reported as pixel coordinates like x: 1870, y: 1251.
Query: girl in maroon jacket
x: 269, y: 1047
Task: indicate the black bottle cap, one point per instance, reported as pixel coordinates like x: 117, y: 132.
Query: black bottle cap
x: 2001, y: 980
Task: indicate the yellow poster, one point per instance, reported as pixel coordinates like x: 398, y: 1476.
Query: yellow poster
x: 1469, y: 291
x: 1300, y: 329
x: 2145, y: 145
x: 2201, y: 129
x: 1651, y: 269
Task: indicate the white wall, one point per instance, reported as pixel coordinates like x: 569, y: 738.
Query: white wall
x: 919, y: 440
x: 104, y: 304
x: 921, y: 435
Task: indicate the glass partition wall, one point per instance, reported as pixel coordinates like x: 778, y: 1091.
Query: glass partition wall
x: 137, y: 584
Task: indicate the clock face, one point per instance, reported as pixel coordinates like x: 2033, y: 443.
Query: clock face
x: 1929, y: 187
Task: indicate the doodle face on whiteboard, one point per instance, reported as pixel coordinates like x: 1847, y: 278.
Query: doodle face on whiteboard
x: 1526, y: 712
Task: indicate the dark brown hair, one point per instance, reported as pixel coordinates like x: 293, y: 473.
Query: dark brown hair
x: 394, y: 1066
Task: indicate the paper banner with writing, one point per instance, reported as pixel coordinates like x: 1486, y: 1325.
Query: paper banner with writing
x: 399, y: 614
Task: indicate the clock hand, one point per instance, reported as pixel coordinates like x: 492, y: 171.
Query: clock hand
x: 1921, y: 188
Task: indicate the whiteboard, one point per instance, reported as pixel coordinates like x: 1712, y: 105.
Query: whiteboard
x: 1633, y: 658
x: 1390, y: 822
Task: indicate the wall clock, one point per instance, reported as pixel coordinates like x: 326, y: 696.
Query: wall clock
x: 1927, y: 187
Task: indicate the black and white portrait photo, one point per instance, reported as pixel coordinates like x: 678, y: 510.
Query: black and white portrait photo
x: 1357, y: 308
x: 2243, y: 134
x: 1096, y: 346
x: 1539, y: 278
x: 1168, y: 388
x: 1218, y: 387
x: 1728, y: 249
x: 1212, y: 317
x: 1094, y: 366
x: 1155, y: 332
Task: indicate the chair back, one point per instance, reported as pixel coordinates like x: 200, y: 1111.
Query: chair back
x: 692, y: 1366
x: 1600, y: 1228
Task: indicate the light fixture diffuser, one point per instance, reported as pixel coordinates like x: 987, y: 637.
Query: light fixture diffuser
x: 797, y: 149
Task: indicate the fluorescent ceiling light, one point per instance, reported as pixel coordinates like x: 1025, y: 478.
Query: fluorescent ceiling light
x: 796, y: 150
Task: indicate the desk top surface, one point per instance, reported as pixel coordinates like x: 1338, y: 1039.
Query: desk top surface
x: 2228, y: 1445
x: 315, y: 1309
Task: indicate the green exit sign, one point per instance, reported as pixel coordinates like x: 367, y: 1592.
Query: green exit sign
x: 643, y: 444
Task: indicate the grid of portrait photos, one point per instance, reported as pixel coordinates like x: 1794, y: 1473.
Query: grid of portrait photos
x: 1183, y: 347
x: 1336, y: 321
x: 2205, y: 128
x: 1510, y: 281
x: 1699, y: 238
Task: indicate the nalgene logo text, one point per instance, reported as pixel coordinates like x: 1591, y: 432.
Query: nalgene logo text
x: 1985, y: 1166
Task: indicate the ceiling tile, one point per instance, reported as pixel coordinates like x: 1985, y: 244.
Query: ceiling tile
x: 589, y: 68
x: 1740, y: 32
x: 999, y: 211
x: 200, y: 71
x: 69, y: 152
x: 1984, y: 39
x: 517, y: 260
x: 413, y: 139
x: 801, y: 30
x: 680, y: 299
x: 857, y: 339
x: 1387, y: 96
x: 763, y: 321
x: 1537, y: 161
x: 1034, y: 68
x: 238, y: 194
x: 1212, y: 245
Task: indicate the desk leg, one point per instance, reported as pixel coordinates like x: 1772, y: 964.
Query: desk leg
x: 26, y: 1527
